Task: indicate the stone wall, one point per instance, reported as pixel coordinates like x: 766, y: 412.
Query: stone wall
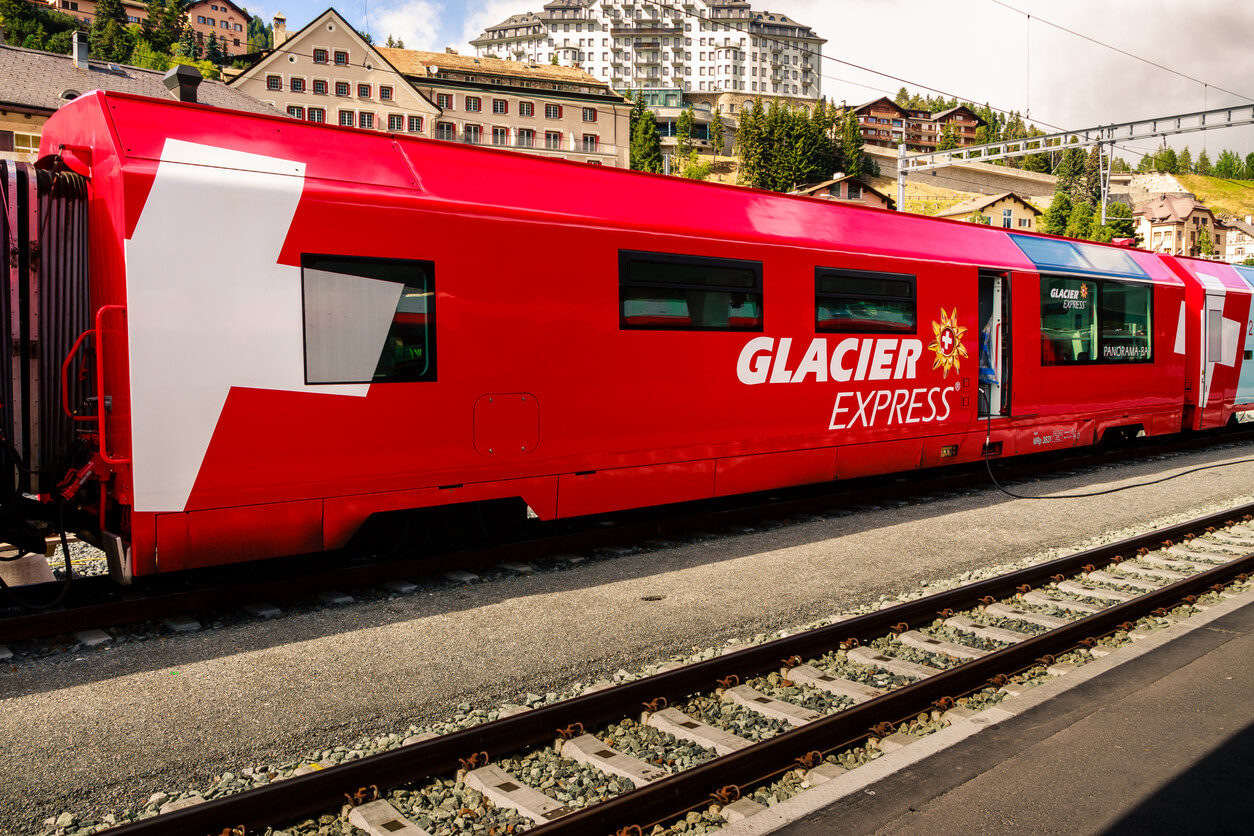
x: 976, y: 178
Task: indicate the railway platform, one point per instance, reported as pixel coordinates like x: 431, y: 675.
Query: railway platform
x: 1156, y: 738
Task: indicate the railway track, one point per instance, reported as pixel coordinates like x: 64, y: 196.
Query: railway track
x: 764, y: 719
x: 95, y: 603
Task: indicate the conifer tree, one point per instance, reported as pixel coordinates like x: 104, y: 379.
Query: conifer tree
x: 948, y: 139
x: 109, y: 39
x: 1080, y: 222
x: 213, y: 49
x: 1249, y: 167
x: 1184, y: 161
x: 1055, y: 219
x: 1203, y: 166
x: 646, y: 143
x: 684, y: 126
x: 854, y: 158
x: 716, y: 130
x: 1089, y: 189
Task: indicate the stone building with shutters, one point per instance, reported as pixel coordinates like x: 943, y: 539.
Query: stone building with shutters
x: 327, y: 73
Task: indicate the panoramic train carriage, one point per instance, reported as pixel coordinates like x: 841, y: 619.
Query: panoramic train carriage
x: 296, y: 327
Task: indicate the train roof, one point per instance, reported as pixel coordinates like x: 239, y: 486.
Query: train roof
x: 506, y: 182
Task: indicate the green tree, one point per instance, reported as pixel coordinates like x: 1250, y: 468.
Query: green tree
x: 19, y: 20
x: 109, y: 39
x: 143, y: 55
x: 856, y: 162
x: 902, y: 98
x: 716, y: 130
x: 1203, y: 166
x: 1070, y: 172
x: 1228, y: 165
x: 1089, y: 189
x: 188, y: 48
x: 1249, y: 166
x: 749, y: 144
x: 684, y: 128
x: 1119, y: 219
x: 1169, y: 163
x: 1184, y: 161
x: 646, y: 144
x: 638, y: 110
x: 1055, y: 219
x: 213, y: 50
x: 207, y: 70
x: 1080, y: 222
x: 948, y: 139
x: 1205, y: 246
x: 260, y: 34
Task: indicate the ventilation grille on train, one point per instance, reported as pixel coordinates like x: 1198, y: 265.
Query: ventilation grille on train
x: 43, y: 218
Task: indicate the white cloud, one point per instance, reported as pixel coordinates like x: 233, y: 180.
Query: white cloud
x: 419, y: 23
x: 478, y: 16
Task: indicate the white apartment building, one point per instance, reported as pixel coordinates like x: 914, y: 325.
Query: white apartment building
x: 692, y: 46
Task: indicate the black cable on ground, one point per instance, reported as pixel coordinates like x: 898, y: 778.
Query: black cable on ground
x: 988, y: 464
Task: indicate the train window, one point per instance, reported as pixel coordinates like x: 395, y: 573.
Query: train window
x: 1091, y: 321
x: 368, y: 320
x: 1125, y: 317
x: 1068, y: 326
x: 861, y: 301
x: 680, y: 292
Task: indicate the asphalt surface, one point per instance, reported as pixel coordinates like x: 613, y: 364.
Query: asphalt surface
x: 100, y: 730
x: 1163, y: 744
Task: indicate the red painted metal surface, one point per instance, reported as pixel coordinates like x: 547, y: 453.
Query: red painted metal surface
x: 540, y: 394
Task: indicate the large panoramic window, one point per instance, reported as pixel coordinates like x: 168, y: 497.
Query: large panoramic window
x: 1095, y: 321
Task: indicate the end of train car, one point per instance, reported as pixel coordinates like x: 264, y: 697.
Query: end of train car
x: 227, y: 348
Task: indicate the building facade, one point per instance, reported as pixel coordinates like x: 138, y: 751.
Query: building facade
x: 886, y: 124
x: 1176, y: 224
x: 1006, y: 210
x: 222, y: 18
x: 697, y: 46
x: 540, y: 109
x: 1239, y: 240
x: 849, y: 189
x: 327, y: 73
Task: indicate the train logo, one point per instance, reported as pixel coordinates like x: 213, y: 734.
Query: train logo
x: 948, y: 342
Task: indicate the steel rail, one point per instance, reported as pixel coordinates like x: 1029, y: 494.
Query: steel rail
x: 287, y: 586
x: 315, y: 792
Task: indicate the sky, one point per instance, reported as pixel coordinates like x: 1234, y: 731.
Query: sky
x: 1007, y: 53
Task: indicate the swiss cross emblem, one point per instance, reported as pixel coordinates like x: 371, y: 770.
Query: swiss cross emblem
x: 948, y: 342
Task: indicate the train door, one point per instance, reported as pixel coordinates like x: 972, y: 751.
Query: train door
x: 994, y: 338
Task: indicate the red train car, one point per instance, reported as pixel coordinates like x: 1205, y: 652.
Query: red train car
x: 263, y: 368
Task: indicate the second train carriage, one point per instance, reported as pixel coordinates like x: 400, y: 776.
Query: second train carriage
x: 296, y: 327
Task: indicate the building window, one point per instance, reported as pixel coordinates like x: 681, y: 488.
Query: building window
x: 500, y: 136
x: 363, y: 91
x: 553, y: 140
x: 385, y: 93
x: 444, y: 100
x: 415, y: 124
x: 661, y: 291
x: 500, y: 106
x: 1025, y: 223
x: 526, y: 138
x: 472, y: 134
x: 317, y: 114
x: 341, y: 88
x: 445, y: 130
x: 589, y: 114
x: 365, y: 120
x: 200, y: 19
x: 858, y: 301
x: 590, y: 143
x: 1007, y: 218
x: 273, y: 82
x: 396, y: 122
x: 552, y: 111
x: 298, y: 85
x: 347, y: 118
x: 320, y: 56
x: 296, y: 112
x: 526, y: 109
x: 320, y: 87
x: 341, y: 58
x: 472, y: 104
x: 354, y: 306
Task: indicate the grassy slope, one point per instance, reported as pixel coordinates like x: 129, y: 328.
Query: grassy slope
x: 1223, y: 197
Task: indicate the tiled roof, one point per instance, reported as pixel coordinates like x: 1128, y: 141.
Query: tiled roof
x: 1171, y: 209
x: 976, y: 204
x: 415, y: 62
x: 38, y: 80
